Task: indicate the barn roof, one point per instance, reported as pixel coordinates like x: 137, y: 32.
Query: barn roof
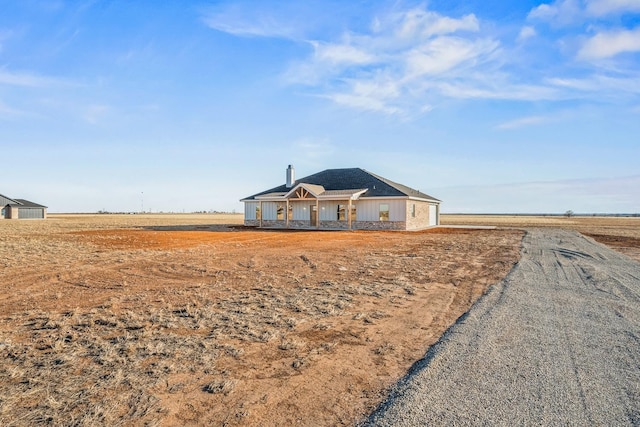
x: 26, y: 204
x: 2, y: 196
x: 344, y: 180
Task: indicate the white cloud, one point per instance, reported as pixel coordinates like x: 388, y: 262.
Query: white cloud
x: 527, y: 32
x: 522, y: 122
x: 610, y: 43
x: 341, y: 54
x: 596, y: 195
x: 559, y: 12
x: 420, y: 23
x: 313, y: 148
x: 250, y: 21
x: 415, y: 58
x: 498, y: 88
x: 443, y: 54
x: 25, y: 79
x: 7, y: 112
x: 392, y: 68
x: 95, y: 113
x: 607, y: 7
x: 563, y: 12
x: 600, y: 83
x: 369, y: 95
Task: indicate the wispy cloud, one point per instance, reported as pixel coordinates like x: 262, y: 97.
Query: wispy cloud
x: 607, y: 7
x: 527, y: 32
x: 313, y: 148
x: 523, y: 122
x: 591, y: 195
x: 288, y: 20
x: 397, y: 66
x: 559, y: 12
x: 610, y: 43
x: 9, y: 113
x: 602, y: 84
x: 407, y: 62
x: 564, y: 12
x: 95, y: 113
x: 26, y: 79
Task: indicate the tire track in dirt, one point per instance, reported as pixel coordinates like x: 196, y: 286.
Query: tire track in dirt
x: 556, y: 343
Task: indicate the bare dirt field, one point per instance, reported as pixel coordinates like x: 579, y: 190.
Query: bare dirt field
x: 619, y: 233
x: 190, y: 319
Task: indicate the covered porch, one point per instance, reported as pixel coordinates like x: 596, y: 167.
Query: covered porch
x: 308, y: 206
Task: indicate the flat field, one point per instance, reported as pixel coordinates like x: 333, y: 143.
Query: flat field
x: 620, y: 233
x: 191, y: 319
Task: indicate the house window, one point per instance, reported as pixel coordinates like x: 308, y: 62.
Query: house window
x: 280, y: 212
x: 290, y: 212
x: 384, y: 212
x: 413, y: 210
x: 353, y: 213
x: 342, y: 213
x: 258, y: 213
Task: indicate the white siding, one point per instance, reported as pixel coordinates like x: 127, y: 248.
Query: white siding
x: 250, y: 210
x: 369, y: 210
x: 329, y: 210
x: 301, y: 211
x: 269, y: 211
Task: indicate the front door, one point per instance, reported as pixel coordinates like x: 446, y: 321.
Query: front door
x: 313, y: 215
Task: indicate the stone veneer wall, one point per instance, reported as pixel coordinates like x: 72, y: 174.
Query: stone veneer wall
x: 421, y: 220
x: 334, y: 225
x: 379, y: 225
x: 330, y: 225
x: 274, y: 223
x: 299, y: 223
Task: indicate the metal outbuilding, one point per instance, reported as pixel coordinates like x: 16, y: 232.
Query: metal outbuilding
x: 21, y: 209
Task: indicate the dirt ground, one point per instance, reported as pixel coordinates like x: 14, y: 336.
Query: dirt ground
x: 190, y: 320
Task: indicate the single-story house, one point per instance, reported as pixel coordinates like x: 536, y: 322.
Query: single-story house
x: 21, y: 209
x: 347, y: 199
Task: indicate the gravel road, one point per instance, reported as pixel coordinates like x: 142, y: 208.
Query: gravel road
x: 557, y: 342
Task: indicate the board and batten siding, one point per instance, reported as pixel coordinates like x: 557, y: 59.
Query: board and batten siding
x: 250, y: 210
x: 300, y: 210
x: 369, y: 210
x: 329, y: 210
x: 269, y: 211
x: 30, y: 213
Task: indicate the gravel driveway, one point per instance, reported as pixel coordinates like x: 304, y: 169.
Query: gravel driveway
x: 557, y: 342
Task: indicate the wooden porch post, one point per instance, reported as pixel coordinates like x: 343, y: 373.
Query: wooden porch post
x: 349, y: 213
x: 260, y: 214
x: 287, y: 214
x: 317, y: 213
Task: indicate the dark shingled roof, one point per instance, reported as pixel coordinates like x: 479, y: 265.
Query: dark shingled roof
x: 26, y: 204
x: 346, y: 179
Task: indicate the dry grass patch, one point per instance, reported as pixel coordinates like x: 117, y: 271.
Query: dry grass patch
x: 164, y: 323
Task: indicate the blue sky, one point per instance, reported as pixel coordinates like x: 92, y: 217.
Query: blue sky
x: 490, y: 106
